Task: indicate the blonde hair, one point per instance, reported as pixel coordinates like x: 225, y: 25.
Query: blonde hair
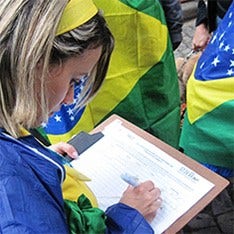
x: 28, y: 38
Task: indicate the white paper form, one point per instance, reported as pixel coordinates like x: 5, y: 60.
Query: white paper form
x: 121, y: 151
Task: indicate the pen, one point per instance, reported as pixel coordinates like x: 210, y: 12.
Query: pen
x: 132, y: 180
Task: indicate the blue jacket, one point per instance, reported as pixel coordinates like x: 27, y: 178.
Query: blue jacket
x: 31, y: 199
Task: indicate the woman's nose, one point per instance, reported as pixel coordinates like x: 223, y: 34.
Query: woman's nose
x: 69, y: 98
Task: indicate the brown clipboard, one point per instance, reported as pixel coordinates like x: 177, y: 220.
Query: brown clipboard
x: 219, y: 182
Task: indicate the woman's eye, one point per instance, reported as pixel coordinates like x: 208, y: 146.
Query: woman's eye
x: 81, y: 81
x: 74, y: 82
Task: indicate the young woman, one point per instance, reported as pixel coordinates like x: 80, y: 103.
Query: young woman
x: 45, y: 48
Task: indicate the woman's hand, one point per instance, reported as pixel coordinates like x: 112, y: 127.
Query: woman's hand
x: 64, y: 148
x: 145, y: 198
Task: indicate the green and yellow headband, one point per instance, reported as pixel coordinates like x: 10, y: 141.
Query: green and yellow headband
x: 75, y: 14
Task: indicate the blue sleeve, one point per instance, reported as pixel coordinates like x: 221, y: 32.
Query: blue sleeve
x: 124, y: 219
x: 30, y: 194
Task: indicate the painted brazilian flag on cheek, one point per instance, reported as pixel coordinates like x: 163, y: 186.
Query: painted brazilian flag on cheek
x: 141, y: 84
x: 208, y: 130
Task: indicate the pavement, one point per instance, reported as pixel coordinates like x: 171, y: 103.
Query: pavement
x: 189, y: 9
x: 218, y: 216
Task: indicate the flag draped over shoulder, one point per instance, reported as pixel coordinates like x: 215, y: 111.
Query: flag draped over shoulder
x: 141, y: 83
x: 208, y: 130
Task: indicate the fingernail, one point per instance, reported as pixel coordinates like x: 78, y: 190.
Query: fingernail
x: 159, y: 200
x: 75, y: 154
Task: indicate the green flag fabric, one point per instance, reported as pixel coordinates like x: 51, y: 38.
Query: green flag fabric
x: 208, y: 129
x: 82, y: 218
x: 141, y: 84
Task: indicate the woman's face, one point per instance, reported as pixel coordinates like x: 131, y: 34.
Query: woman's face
x: 60, y: 84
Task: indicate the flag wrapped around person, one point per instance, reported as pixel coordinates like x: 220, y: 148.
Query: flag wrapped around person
x: 141, y: 83
x: 208, y: 130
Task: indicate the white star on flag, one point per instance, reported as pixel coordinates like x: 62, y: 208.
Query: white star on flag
x: 232, y: 63
x: 230, y: 72
x: 70, y: 111
x: 215, y: 61
x: 57, y: 118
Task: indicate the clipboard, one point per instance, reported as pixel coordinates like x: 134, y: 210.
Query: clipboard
x: 219, y: 182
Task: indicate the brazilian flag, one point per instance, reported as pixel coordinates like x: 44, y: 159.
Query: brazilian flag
x: 208, y: 130
x: 141, y: 84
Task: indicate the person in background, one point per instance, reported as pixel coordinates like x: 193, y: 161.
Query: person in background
x: 208, y: 17
x: 208, y: 131
x: 46, y: 47
x: 174, y: 17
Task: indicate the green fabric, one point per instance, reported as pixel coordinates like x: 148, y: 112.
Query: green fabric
x: 149, y: 7
x: 141, y: 83
x: 153, y: 104
x: 82, y: 218
x: 43, y: 134
x: 210, y: 138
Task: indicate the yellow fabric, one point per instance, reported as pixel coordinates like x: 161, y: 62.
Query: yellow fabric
x: 128, y: 64
x: 24, y: 132
x: 75, y: 185
x: 128, y: 71
x: 75, y: 14
x: 198, y: 91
